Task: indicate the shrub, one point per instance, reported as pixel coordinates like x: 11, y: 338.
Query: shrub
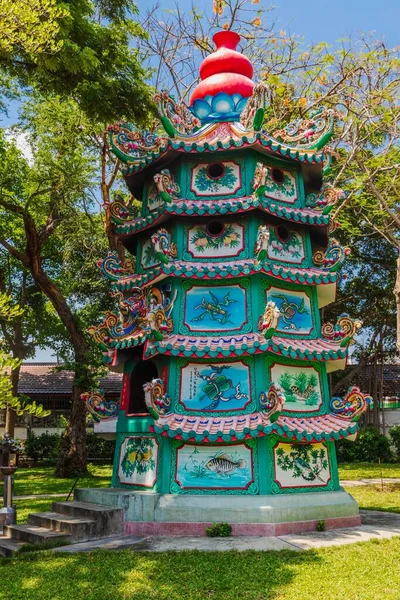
x: 321, y: 526
x: 394, y: 434
x: 45, y: 446
x: 370, y: 446
x: 219, y: 530
x: 99, y: 448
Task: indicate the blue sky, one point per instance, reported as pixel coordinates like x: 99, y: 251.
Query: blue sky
x: 326, y: 21
x: 315, y: 21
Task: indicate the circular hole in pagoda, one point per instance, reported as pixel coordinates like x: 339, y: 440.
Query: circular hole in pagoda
x: 277, y: 175
x: 215, y: 228
x: 283, y: 233
x: 215, y: 170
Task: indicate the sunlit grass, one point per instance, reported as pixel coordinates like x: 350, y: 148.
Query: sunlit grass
x: 376, y: 497
x: 368, y: 470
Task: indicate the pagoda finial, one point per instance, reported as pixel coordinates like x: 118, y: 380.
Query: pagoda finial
x: 226, y: 82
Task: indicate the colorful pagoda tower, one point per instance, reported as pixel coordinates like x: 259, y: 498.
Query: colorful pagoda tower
x: 225, y: 413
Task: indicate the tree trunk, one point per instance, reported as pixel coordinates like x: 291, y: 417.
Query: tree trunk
x: 72, y: 460
x: 11, y: 415
x: 396, y: 292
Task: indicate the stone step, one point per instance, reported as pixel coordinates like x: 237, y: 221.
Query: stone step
x: 33, y: 534
x: 109, y: 521
x: 8, y: 546
x: 78, y: 528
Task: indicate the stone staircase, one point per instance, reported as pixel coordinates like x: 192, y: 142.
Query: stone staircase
x: 68, y: 522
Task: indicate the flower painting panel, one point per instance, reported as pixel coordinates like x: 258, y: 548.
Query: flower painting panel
x: 219, y: 308
x: 295, y: 309
x: 222, y: 387
x: 300, y: 385
x: 301, y: 465
x: 281, y: 185
x: 203, y: 245
x: 289, y: 250
x: 149, y: 257
x: 216, y: 179
x: 214, y: 467
x: 138, y: 461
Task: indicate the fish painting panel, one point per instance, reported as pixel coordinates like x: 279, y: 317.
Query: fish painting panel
x: 208, y: 387
x: 222, y: 308
x: 295, y: 308
x: 216, y: 467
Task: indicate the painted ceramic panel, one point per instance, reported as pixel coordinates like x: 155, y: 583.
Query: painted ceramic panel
x: 301, y: 465
x: 295, y: 308
x: 222, y: 308
x: 217, y: 467
x: 153, y: 198
x: 289, y: 250
x: 285, y: 191
x: 301, y: 386
x: 138, y: 461
x: 222, y: 387
x: 202, y: 245
x: 149, y: 258
x: 202, y: 183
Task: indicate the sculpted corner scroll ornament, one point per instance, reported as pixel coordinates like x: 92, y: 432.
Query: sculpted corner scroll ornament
x: 112, y: 268
x: 261, y: 245
x: 156, y: 400
x: 268, y: 322
x: 272, y: 402
x: 164, y: 248
x: 343, y: 331
x: 313, y: 132
x: 99, y: 407
x: 166, y: 186
x: 332, y: 258
x: 352, y: 405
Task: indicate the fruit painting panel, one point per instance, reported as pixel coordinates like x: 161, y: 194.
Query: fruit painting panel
x: 222, y: 387
x: 285, y: 245
x: 220, y: 308
x: 214, y: 467
x: 300, y: 385
x: 216, y: 179
x: 138, y: 461
x: 301, y: 465
x: 203, y: 244
x: 295, y: 309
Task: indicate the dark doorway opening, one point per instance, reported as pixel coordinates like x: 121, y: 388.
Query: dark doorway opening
x: 143, y: 372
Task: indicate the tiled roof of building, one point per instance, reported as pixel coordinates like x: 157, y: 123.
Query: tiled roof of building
x: 43, y: 378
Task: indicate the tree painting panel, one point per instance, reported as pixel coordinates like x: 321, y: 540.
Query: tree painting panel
x: 227, y: 467
x: 219, y: 308
x: 222, y: 387
x: 149, y: 256
x: 289, y: 250
x: 295, y: 309
x: 223, y: 180
x: 301, y: 386
x: 138, y: 461
x: 154, y: 199
x: 301, y: 465
x: 284, y: 188
x: 203, y: 245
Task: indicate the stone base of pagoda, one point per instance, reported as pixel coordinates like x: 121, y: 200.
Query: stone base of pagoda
x: 173, y: 514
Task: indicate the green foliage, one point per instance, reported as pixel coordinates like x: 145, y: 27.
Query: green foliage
x: 46, y: 446
x: 370, y: 446
x: 321, y: 526
x: 81, y: 50
x: 219, y: 530
x: 394, y: 434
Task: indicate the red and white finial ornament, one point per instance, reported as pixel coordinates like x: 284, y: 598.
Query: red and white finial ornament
x: 226, y: 82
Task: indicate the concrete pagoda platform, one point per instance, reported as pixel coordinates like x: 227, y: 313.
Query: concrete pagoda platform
x: 259, y: 515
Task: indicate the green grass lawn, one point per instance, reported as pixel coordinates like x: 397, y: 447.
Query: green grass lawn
x: 337, y: 573
x: 368, y: 470
x: 41, y: 480
x: 374, y: 497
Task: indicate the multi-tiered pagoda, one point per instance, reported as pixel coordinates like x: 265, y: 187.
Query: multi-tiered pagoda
x: 225, y: 413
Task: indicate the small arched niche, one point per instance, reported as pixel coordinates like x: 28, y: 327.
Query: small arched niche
x: 143, y: 372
